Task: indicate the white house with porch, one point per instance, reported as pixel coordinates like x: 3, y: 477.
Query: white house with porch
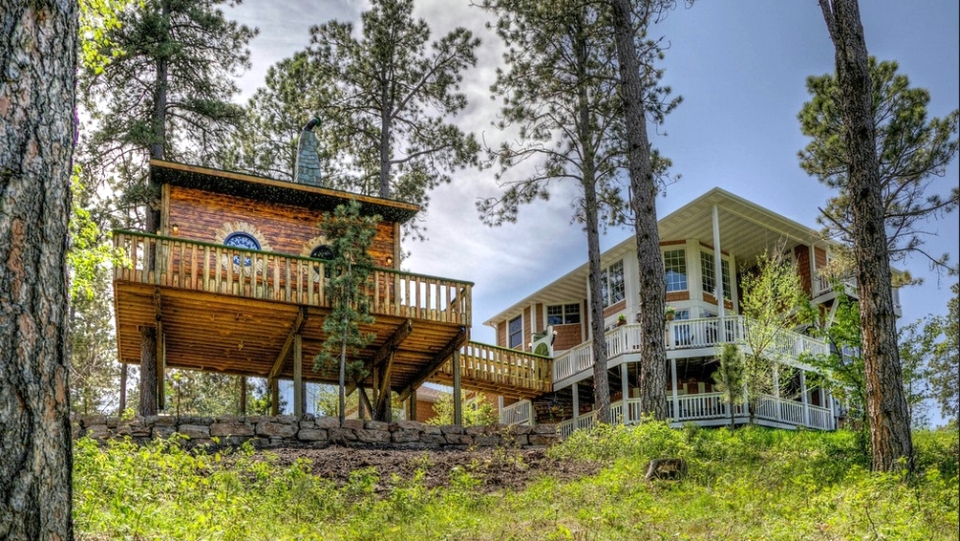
x: 706, y: 245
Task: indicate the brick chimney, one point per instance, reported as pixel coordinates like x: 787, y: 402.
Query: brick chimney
x: 308, y: 162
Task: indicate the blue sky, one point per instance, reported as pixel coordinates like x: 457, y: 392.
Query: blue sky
x: 740, y: 67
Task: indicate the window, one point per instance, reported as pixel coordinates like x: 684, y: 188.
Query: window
x: 563, y: 314
x: 675, y: 267
x: 709, y: 277
x: 611, y: 284
x: 244, y: 241
x: 681, y: 331
x: 322, y: 252
x: 515, y: 332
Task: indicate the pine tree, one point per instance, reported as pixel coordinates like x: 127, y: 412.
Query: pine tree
x: 891, y: 443
x: 38, y: 51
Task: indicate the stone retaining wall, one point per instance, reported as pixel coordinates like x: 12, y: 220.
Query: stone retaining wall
x: 265, y: 432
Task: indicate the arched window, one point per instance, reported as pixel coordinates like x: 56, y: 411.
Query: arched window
x: 322, y: 252
x: 243, y: 240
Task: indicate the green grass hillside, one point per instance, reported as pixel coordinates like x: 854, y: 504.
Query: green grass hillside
x: 746, y: 484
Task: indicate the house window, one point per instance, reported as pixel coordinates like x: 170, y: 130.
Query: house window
x: 515, y: 332
x: 611, y: 284
x: 675, y: 267
x: 563, y: 314
x: 709, y: 277
x: 244, y: 241
x: 681, y: 331
x: 322, y: 252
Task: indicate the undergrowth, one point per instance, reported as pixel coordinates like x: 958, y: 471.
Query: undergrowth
x: 750, y: 483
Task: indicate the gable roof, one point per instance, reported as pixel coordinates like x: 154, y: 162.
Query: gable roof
x: 746, y: 231
x: 275, y: 191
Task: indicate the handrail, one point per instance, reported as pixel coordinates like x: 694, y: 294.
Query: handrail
x: 226, y: 270
x: 491, y: 364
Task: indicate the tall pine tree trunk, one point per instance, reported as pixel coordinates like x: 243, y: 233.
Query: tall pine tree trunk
x: 653, y: 359
x: 38, y: 48
x: 890, y: 436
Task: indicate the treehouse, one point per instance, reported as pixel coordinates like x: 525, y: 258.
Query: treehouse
x: 234, y: 283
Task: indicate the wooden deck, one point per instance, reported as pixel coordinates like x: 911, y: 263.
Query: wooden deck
x: 236, y: 311
x: 505, y: 372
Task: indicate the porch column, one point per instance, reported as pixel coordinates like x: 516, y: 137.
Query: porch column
x: 576, y: 404
x: 274, y: 396
x: 148, y: 371
x: 803, y: 394
x: 625, y: 391
x: 814, y: 279
x: 717, y: 265
x: 833, y: 411
x: 776, y: 389
x: 123, y: 389
x: 675, y: 397
x: 298, y: 376
x: 457, y: 406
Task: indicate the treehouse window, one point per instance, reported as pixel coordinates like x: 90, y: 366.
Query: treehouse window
x: 244, y: 241
x: 322, y: 252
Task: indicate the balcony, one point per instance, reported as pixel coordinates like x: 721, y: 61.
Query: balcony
x: 236, y: 311
x: 684, y: 339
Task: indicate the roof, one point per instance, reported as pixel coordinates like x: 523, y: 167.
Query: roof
x: 275, y: 191
x: 746, y: 231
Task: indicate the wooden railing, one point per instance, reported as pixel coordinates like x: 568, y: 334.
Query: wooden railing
x: 685, y: 334
x: 518, y: 413
x: 199, y: 266
x: 507, y: 367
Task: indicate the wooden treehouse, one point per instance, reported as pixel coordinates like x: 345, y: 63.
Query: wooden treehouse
x: 233, y: 283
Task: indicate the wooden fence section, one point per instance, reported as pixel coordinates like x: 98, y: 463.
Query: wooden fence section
x: 486, y: 364
x: 225, y: 270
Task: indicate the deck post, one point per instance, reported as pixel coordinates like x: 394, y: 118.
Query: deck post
x: 123, y: 388
x: 717, y: 265
x: 412, y: 406
x: 675, y: 397
x: 457, y: 405
x: 625, y: 392
x: 776, y: 389
x: 161, y: 368
x: 298, y: 375
x: 243, y: 395
x: 274, y: 396
x: 576, y: 404
x: 803, y: 393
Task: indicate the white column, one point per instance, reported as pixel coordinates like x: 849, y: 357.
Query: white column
x: 576, y: 404
x: 625, y: 391
x: 717, y: 266
x: 803, y: 393
x: 676, y: 399
x: 814, y: 280
x: 776, y: 389
x: 833, y: 410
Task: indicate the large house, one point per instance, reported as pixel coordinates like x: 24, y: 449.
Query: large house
x: 706, y: 246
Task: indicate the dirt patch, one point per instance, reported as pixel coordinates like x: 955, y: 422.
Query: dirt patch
x: 497, y: 469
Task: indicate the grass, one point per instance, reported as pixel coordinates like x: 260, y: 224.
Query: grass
x: 746, y: 484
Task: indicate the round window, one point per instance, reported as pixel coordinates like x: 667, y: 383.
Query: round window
x: 242, y: 240
x: 322, y: 252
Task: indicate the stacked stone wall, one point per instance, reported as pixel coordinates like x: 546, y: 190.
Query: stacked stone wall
x: 264, y: 432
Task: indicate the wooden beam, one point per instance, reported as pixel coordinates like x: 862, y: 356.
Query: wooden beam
x: 383, y: 386
x: 161, y: 350
x: 435, y: 363
x: 288, y: 343
x: 457, y: 398
x: 298, y: 409
x: 392, y: 343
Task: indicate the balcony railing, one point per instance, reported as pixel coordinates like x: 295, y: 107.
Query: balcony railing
x: 486, y: 364
x: 225, y: 270
x: 686, y: 334
x: 518, y: 413
x: 712, y: 407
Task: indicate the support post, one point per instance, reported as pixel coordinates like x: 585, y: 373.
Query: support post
x: 576, y: 404
x: 675, y: 397
x: 457, y: 406
x: 123, y: 388
x: 274, y: 396
x: 412, y: 406
x: 803, y: 393
x: 625, y: 391
x: 298, y: 410
x: 161, y: 368
x: 243, y: 395
x: 717, y: 265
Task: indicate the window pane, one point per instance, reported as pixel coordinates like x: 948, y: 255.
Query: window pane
x: 616, y: 282
x: 725, y: 269
x: 516, y: 332
x: 555, y: 315
x: 571, y: 313
x: 675, y: 265
x: 708, y: 277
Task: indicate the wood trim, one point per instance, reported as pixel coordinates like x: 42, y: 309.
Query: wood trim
x: 435, y: 363
x: 614, y: 308
x: 288, y: 343
x: 672, y: 242
x: 165, y: 209
x: 710, y: 247
x: 674, y: 296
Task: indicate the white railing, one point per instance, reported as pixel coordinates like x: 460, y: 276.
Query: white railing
x: 684, y: 334
x: 712, y: 406
x: 519, y: 413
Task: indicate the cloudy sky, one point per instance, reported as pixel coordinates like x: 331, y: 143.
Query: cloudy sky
x: 740, y: 67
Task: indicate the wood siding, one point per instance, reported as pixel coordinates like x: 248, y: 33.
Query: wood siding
x: 568, y: 336
x: 285, y: 228
x: 802, y: 254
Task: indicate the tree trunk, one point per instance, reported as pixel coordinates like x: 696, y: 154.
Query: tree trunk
x: 38, y: 48
x: 653, y: 369
x: 385, y: 127
x: 890, y: 438
x: 148, y: 371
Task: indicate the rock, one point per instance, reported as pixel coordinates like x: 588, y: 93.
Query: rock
x: 97, y: 432
x: 458, y: 439
x: 163, y: 432
x: 486, y: 440
x: 666, y: 468
x: 194, y: 431
x: 356, y: 424
x: 341, y: 434
x: 377, y: 425
x: 408, y: 425
x: 545, y: 429
x: 540, y: 439
x: 312, y: 434
x: 451, y: 429
x: 433, y: 439
x: 373, y: 436
x: 230, y: 428
x: 276, y: 430
x: 405, y: 436
x: 327, y: 422
x: 91, y: 420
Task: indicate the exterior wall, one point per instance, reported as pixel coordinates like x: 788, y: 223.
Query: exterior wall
x: 568, y: 336
x: 539, y: 322
x: 425, y: 411
x: 502, y: 334
x: 285, y: 229
x: 527, y: 328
